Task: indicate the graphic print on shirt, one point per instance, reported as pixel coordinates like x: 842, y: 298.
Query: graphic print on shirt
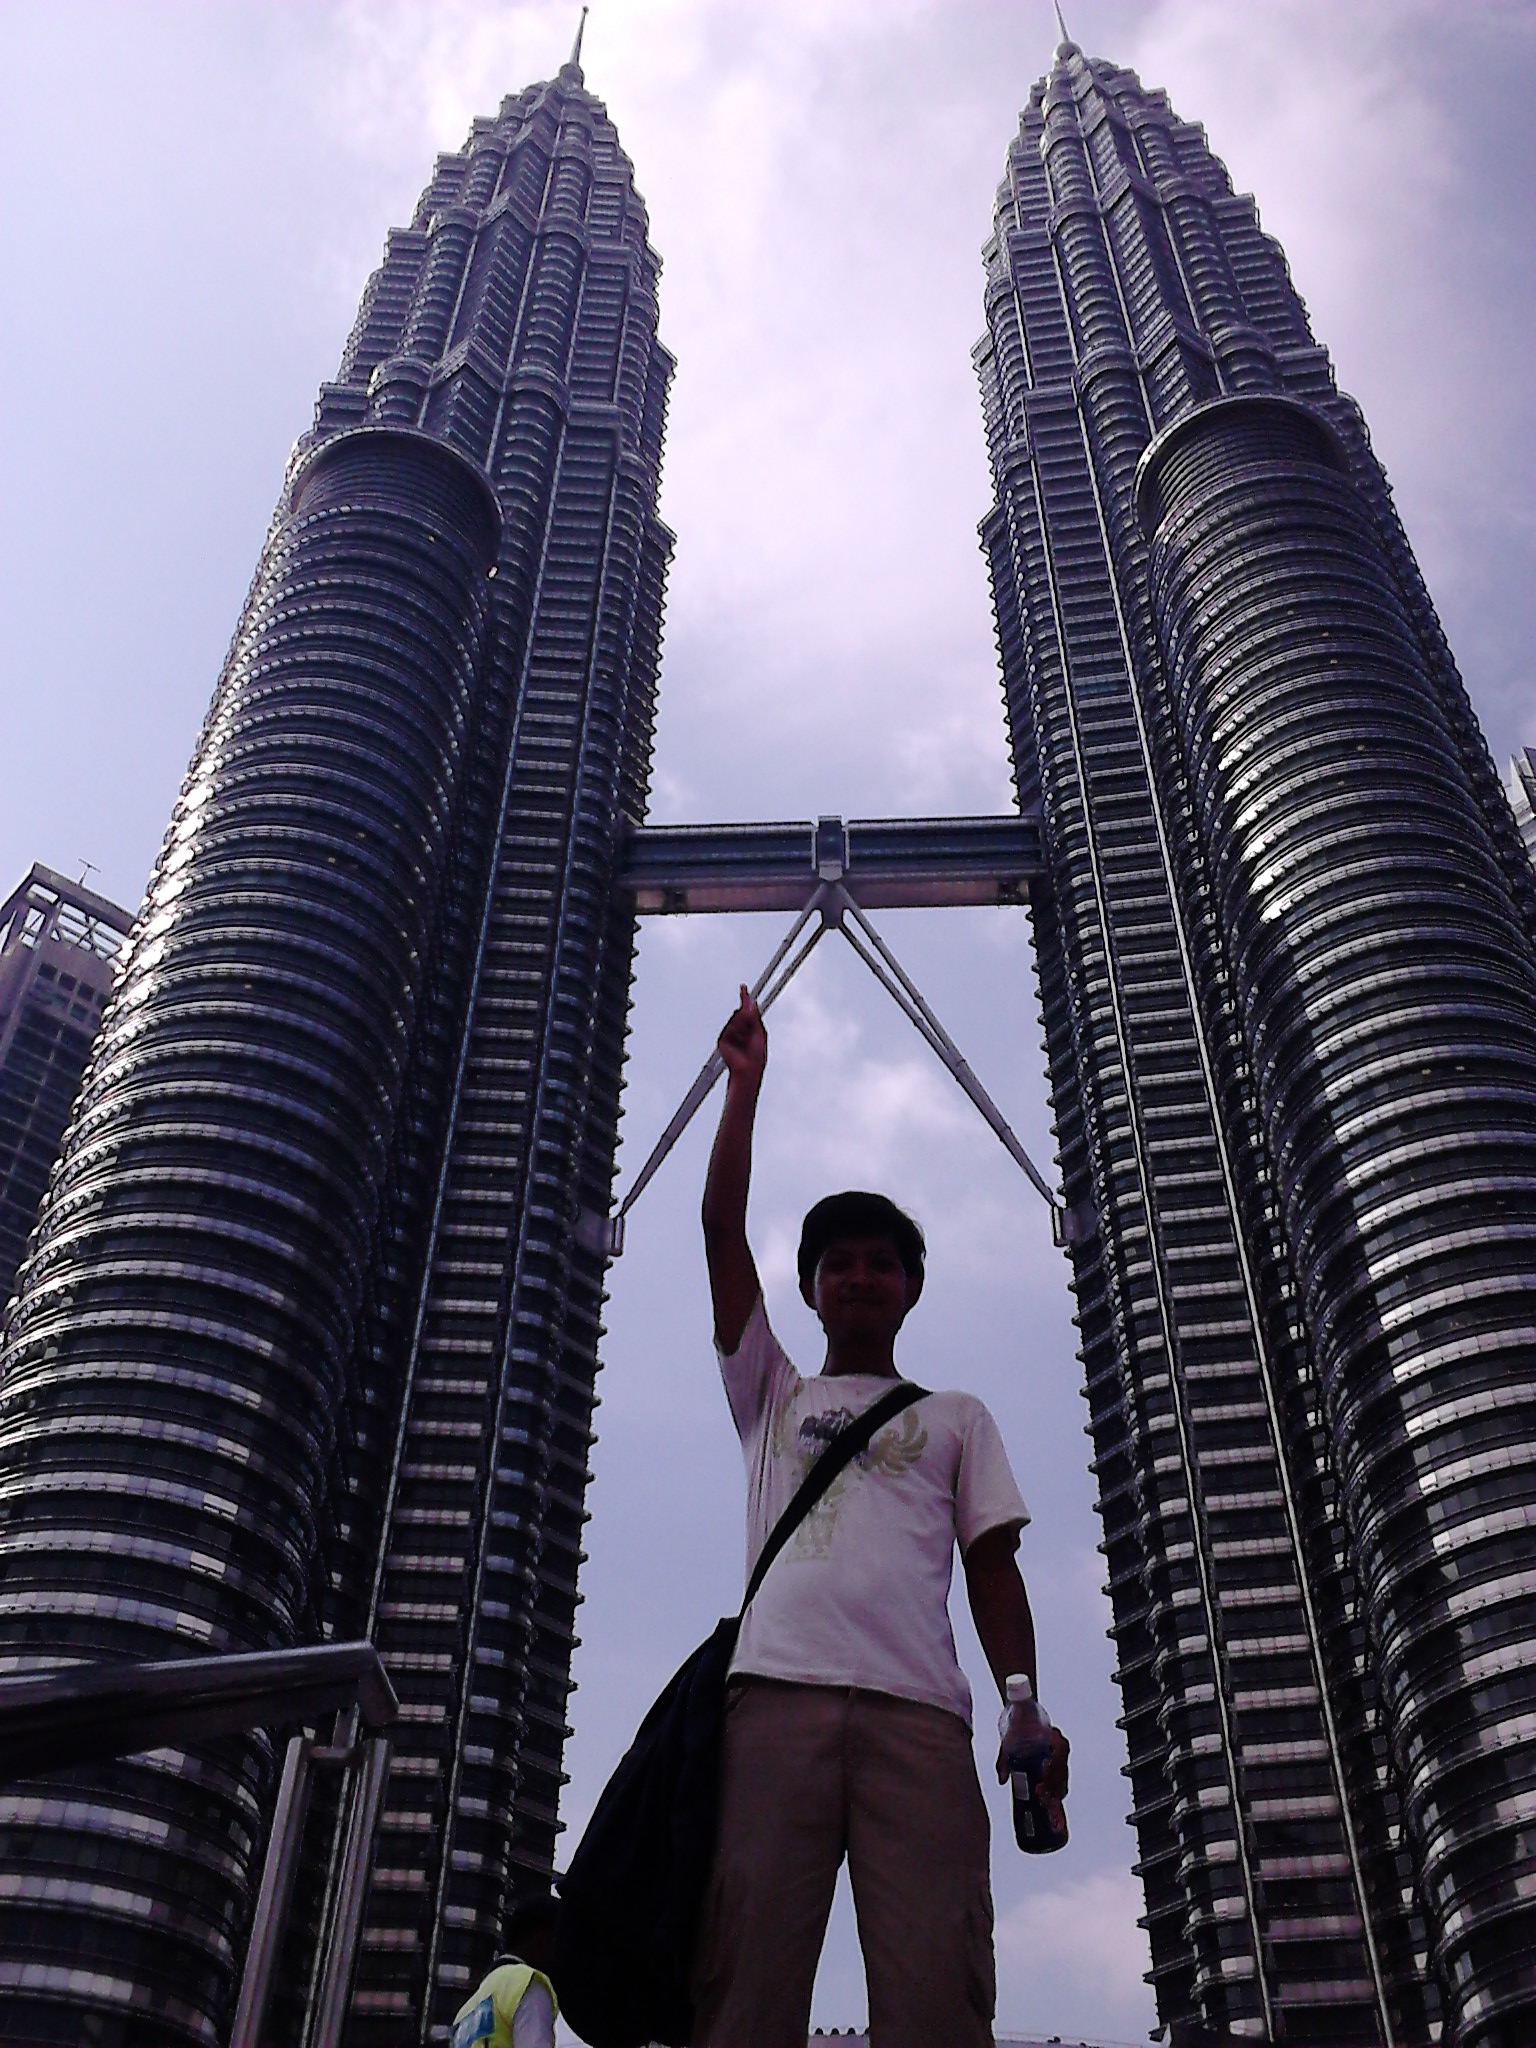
x: 895, y: 1450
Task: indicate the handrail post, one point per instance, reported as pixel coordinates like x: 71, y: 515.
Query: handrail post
x: 272, y: 1901
x: 351, y: 1892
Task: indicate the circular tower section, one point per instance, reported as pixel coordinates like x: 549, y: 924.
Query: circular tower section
x: 1387, y: 996
x: 175, y: 1360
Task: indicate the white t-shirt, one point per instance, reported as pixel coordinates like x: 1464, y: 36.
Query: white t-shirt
x: 533, y: 2024
x: 859, y: 1595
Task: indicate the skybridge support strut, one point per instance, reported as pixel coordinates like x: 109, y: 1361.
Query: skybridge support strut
x: 815, y: 871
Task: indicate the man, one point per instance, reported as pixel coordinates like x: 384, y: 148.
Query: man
x: 515, y: 2006
x: 848, y: 1726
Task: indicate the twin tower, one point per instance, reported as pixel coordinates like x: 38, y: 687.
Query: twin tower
x: 304, y: 1345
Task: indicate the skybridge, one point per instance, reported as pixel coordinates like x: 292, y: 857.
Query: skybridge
x: 884, y: 863
x: 831, y: 873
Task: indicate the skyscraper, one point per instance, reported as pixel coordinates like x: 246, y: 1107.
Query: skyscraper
x: 1289, y: 987
x: 306, y: 1339
x: 1522, y: 796
x: 59, y: 944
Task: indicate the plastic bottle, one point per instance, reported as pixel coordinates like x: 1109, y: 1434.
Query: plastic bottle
x: 1039, y: 1821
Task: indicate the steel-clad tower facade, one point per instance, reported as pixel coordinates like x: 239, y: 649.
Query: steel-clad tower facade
x: 1289, y: 989
x: 305, y: 1342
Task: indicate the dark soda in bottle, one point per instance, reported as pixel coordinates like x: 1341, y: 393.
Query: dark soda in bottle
x: 1039, y: 1820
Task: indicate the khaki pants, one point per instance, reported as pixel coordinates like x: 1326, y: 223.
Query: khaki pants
x: 813, y: 1773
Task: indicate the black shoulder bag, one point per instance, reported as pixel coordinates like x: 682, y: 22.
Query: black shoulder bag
x: 632, y: 1900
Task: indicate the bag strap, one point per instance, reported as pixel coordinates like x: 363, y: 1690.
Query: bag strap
x: 852, y: 1438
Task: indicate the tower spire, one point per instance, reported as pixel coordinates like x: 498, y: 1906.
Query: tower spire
x: 581, y: 29
x: 1061, y: 22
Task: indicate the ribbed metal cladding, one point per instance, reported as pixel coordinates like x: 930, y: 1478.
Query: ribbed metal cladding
x: 175, y: 1363
x: 317, y: 1236
x: 1275, y: 1901
x: 1388, y: 998
x: 1130, y: 290
x: 516, y: 317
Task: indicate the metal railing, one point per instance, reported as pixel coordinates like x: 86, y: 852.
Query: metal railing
x: 93, y: 1713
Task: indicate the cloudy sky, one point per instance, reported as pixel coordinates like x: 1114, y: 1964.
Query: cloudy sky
x: 196, y: 195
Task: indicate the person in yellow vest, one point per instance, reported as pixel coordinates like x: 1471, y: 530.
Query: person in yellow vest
x: 516, y: 2006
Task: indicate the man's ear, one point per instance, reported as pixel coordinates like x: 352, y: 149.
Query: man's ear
x: 914, y: 1287
x: 808, y: 1292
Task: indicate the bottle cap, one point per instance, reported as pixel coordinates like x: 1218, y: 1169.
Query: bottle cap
x: 1016, y: 1688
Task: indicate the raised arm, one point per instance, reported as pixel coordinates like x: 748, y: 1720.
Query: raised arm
x: 733, y: 1282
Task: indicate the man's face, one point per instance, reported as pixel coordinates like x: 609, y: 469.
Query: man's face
x: 861, y: 1289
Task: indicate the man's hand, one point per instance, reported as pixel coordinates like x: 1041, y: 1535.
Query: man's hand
x: 1050, y: 1786
x: 1053, y: 1779
x: 743, y: 1044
